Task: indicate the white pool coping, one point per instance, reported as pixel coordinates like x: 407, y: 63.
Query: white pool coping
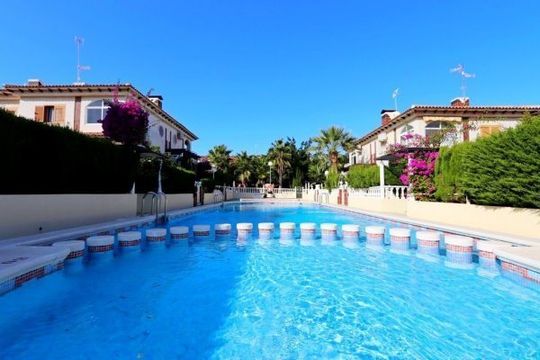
x: 76, y: 232
x: 526, y: 253
x: 465, y: 231
x: 28, y: 258
x: 525, y: 256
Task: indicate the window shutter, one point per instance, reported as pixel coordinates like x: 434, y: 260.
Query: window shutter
x: 484, y: 130
x: 59, y: 114
x: 39, y: 113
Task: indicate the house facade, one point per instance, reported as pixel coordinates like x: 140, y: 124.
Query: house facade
x: 80, y: 107
x: 471, y: 122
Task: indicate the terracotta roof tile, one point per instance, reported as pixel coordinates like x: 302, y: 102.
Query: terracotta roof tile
x: 463, y: 111
x: 11, y: 88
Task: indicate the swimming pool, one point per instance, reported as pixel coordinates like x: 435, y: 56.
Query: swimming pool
x: 223, y: 298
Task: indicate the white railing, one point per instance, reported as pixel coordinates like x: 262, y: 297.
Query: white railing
x: 259, y: 192
x: 395, y: 192
x: 390, y: 192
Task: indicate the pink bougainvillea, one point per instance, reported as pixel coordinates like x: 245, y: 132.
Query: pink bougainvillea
x: 126, y: 122
x: 419, y: 165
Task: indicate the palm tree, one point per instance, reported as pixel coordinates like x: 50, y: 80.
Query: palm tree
x: 260, y: 168
x: 243, y: 167
x: 220, y: 157
x: 331, y: 141
x: 279, y: 153
x: 317, y: 167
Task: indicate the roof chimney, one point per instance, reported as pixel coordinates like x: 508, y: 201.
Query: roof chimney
x: 34, y: 82
x: 156, y: 99
x: 460, y: 102
x: 388, y: 115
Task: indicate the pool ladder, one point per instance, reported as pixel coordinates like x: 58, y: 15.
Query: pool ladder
x: 157, y: 198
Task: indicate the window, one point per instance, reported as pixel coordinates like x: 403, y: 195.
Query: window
x: 96, y: 111
x: 51, y: 114
x: 406, y: 133
x: 436, y: 127
x: 486, y: 130
x: 48, y: 114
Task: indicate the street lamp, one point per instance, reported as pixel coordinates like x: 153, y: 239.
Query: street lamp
x: 270, y: 164
x: 326, y: 175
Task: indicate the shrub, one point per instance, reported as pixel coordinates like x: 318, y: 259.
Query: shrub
x: 332, y: 180
x: 364, y: 176
x: 43, y: 159
x: 504, y: 169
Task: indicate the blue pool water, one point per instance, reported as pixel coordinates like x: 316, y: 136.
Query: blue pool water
x: 219, y: 299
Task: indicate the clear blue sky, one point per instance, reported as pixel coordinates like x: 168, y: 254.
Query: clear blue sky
x: 244, y: 73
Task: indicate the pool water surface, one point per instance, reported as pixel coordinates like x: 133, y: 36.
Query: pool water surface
x: 227, y: 299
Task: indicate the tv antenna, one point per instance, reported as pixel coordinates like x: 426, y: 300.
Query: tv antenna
x: 79, y: 41
x: 395, y: 95
x: 460, y: 70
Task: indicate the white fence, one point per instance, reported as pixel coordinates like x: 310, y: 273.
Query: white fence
x: 259, y: 192
x: 319, y: 195
x: 390, y: 192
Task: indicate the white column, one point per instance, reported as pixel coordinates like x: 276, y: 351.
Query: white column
x: 381, y: 177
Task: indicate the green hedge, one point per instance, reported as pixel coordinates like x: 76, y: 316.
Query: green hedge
x: 43, y: 159
x: 174, y: 179
x: 448, y: 175
x: 502, y: 169
x: 364, y: 176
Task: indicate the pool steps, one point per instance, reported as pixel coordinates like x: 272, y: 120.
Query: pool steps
x: 100, y: 245
x: 375, y: 235
x: 129, y: 239
x: 459, y: 250
x: 178, y: 233
x: 156, y: 235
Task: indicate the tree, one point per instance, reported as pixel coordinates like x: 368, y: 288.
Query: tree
x: 220, y: 157
x: 317, y: 166
x: 259, y: 168
x: 300, y: 158
x: 243, y: 164
x: 280, y: 154
x: 331, y: 141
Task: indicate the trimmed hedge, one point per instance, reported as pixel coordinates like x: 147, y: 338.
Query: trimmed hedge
x: 501, y: 170
x: 364, y: 176
x: 43, y: 159
x: 448, y: 173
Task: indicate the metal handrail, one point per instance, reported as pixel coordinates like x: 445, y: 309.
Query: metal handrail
x: 154, y: 195
x: 157, y: 199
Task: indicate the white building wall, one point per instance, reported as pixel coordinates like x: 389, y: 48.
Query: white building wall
x: 27, y: 107
x: 10, y: 105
